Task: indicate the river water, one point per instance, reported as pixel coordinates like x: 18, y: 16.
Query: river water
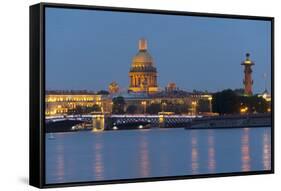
x: 111, y: 155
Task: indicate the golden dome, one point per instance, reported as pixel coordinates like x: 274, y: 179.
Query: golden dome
x: 142, y: 58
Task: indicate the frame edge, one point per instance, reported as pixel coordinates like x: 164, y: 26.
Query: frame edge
x: 35, y: 141
x: 36, y: 160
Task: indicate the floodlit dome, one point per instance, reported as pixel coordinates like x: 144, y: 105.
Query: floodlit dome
x: 142, y: 58
x: 142, y: 61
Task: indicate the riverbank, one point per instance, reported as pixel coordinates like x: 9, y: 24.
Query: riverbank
x: 231, y: 121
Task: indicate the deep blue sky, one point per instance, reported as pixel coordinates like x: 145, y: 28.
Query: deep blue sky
x: 88, y: 49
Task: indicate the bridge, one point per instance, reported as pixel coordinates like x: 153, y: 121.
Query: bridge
x: 154, y: 120
x: 107, y: 121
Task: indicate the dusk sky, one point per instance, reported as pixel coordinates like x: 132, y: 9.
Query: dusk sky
x: 88, y: 49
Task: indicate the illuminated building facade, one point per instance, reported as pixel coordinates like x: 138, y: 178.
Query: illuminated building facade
x: 143, y: 73
x: 60, y: 102
x: 267, y: 97
x: 182, y: 103
x: 248, y: 81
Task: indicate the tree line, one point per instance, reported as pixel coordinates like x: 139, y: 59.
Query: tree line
x: 230, y: 102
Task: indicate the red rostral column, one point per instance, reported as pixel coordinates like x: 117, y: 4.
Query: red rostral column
x: 248, y: 81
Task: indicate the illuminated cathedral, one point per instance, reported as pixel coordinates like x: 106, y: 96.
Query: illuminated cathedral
x: 143, y: 73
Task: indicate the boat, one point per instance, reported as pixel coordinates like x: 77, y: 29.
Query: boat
x: 82, y: 127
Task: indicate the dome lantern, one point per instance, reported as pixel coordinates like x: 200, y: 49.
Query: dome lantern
x: 142, y: 45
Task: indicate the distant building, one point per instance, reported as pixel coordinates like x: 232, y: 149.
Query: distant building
x: 176, y: 101
x: 143, y: 73
x: 265, y: 95
x: 248, y: 81
x: 171, y: 87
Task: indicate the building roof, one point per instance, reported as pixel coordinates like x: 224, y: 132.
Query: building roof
x: 70, y: 92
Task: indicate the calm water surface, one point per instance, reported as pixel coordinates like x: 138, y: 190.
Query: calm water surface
x: 109, y: 155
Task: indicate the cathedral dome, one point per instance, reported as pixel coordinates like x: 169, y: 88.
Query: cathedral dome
x: 142, y: 61
x: 142, y: 58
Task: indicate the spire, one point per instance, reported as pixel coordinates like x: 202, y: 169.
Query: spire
x: 142, y: 45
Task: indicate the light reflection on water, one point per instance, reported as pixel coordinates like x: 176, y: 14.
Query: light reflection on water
x: 98, y: 163
x: 60, y: 163
x: 88, y: 156
x: 211, y: 152
x: 194, y: 153
x: 266, y: 154
x: 144, y: 157
x: 245, y: 151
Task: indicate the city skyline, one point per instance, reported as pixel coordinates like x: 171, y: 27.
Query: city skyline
x: 84, y: 53
x: 150, y: 115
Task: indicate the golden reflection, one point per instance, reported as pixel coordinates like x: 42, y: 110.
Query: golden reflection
x: 60, y: 163
x: 194, y: 154
x: 211, y: 152
x: 144, y: 157
x: 245, y: 150
x: 98, y: 160
x: 266, y: 154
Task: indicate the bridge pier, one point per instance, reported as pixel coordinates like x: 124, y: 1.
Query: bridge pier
x: 99, y: 122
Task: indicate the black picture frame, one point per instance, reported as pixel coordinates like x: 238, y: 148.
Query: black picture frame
x: 37, y: 94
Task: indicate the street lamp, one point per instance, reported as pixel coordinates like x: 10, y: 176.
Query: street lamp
x: 243, y: 110
x: 194, y: 104
x: 144, y: 106
x: 210, y: 103
x: 163, y: 106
